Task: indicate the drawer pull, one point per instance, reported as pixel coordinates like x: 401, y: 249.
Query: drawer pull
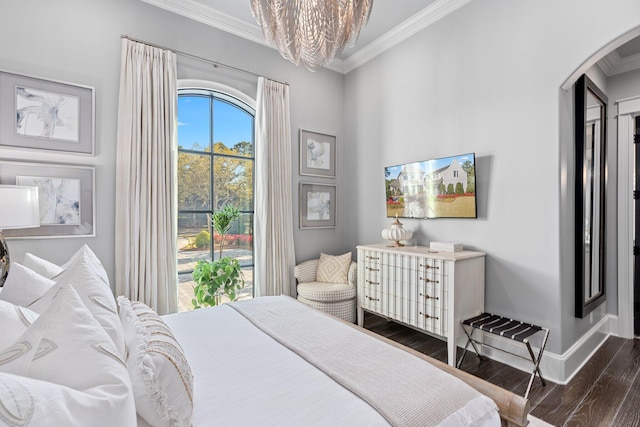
x: 429, y: 281
x: 371, y: 299
x: 372, y: 257
x: 428, y: 266
x: 372, y: 269
x: 428, y: 296
x: 372, y: 283
x: 429, y: 317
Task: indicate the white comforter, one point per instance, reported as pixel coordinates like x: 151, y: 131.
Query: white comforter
x: 243, y: 377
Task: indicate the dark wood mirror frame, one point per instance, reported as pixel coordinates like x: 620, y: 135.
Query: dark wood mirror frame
x: 590, y: 191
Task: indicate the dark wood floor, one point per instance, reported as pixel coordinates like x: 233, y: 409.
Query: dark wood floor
x: 606, y: 391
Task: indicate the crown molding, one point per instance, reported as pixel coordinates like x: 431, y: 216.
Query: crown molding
x: 418, y: 22
x: 222, y: 21
x: 613, y: 63
x: 212, y: 17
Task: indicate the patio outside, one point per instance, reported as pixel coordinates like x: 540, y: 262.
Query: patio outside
x: 187, y: 259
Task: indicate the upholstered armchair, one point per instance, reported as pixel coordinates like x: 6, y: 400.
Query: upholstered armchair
x: 336, y: 296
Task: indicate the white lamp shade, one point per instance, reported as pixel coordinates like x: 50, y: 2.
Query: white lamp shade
x: 19, y: 207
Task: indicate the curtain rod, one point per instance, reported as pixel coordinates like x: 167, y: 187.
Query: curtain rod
x: 199, y: 58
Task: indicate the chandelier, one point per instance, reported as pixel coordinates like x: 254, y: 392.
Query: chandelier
x: 311, y: 31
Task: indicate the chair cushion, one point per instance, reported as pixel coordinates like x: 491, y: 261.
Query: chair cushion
x: 333, y: 269
x: 327, y: 292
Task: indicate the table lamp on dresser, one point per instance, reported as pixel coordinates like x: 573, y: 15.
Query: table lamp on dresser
x: 19, y: 208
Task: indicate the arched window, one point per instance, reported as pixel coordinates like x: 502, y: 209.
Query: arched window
x: 215, y: 168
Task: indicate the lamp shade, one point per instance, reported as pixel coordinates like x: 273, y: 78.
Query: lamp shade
x: 19, y: 207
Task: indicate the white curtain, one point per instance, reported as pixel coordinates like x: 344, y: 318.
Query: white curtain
x: 145, y: 177
x: 275, y: 259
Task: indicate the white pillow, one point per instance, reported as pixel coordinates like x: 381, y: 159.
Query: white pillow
x: 87, y: 380
x: 88, y: 278
x: 333, y: 268
x: 160, y: 374
x: 23, y: 285
x: 14, y: 320
x: 41, y: 266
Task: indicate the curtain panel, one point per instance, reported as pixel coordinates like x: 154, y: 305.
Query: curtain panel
x: 275, y: 256
x: 145, y: 239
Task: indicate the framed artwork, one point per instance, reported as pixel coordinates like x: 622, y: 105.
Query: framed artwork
x: 46, y: 114
x: 317, y: 154
x: 317, y: 205
x: 66, y: 197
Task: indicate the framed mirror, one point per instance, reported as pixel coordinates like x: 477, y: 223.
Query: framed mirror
x: 590, y: 181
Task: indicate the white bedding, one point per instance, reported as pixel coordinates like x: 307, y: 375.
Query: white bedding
x: 244, y: 377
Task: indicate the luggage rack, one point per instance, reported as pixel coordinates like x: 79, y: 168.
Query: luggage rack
x: 507, y: 328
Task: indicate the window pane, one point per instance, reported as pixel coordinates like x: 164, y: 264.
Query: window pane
x: 194, y: 239
x: 239, y: 240
x: 194, y: 181
x: 194, y: 122
x: 233, y: 183
x: 233, y: 130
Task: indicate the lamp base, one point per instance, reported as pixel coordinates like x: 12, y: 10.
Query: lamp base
x: 4, y: 259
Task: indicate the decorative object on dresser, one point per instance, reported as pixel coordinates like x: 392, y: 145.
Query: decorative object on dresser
x: 430, y: 292
x: 329, y: 284
x: 397, y: 233
x: 446, y: 246
x: 67, y: 205
x: 317, y: 154
x: 19, y: 209
x: 46, y: 114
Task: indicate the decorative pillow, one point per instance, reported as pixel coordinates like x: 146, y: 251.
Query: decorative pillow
x: 23, y: 285
x: 41, y: 266
x: 87, y: 276
x: 14, y: 320
x: 70, y: 371
x: 160, y: 374
x: 333, y: 269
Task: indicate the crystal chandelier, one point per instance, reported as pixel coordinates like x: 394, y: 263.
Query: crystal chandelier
x: 311, y: 31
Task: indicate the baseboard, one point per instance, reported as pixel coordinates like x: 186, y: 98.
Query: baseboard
x: 555, y: 367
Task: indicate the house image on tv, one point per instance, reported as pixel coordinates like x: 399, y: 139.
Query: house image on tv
x: 438, y: 181
x: 412, y: 180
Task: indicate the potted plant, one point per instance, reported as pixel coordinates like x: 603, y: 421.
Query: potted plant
x: 222, y: 276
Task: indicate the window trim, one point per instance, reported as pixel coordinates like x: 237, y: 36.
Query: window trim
x: 232, y: 94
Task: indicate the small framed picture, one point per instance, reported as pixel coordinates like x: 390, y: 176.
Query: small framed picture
x: 46, y: 114
x: 317, y: 205
x: 65, y: 193
x: 317, y: 154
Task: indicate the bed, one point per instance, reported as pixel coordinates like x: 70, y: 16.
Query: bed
x: 265, y: 361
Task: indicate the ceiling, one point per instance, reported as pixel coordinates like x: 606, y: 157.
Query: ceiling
x: 624, y: 58
x: 390, y: 22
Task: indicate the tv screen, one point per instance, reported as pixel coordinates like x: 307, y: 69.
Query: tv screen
x: 438, y: 188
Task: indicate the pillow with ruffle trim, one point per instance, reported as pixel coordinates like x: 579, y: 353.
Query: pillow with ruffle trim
x: 160, y: 374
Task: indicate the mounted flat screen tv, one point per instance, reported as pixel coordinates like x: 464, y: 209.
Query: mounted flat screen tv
x: 438, y: 188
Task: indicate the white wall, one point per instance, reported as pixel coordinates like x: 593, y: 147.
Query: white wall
x: 487, y: 79
x: 79, y: 41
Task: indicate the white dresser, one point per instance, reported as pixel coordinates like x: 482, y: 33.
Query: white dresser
x: 428, y: 291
